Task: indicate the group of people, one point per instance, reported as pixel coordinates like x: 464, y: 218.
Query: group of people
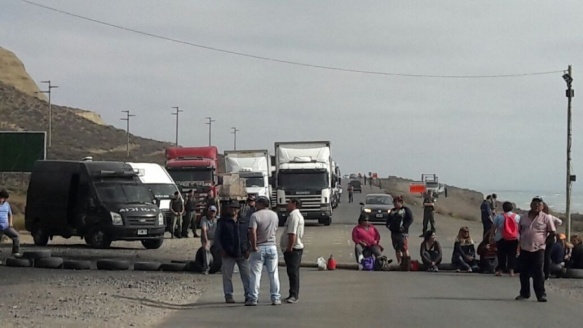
x: 184, y: 214
x: 247, y: 238
x: 526, y: 244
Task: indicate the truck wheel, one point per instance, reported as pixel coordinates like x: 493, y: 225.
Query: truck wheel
x: 39, y: 236
x: 328, y: 221
x: 97, y: 238
x: 152, y: 243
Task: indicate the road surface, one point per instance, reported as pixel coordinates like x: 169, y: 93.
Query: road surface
x: 379, y: 299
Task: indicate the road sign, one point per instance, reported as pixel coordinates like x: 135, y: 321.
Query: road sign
x: 19, y: 150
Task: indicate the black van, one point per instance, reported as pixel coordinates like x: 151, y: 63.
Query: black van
x: 98, y: 201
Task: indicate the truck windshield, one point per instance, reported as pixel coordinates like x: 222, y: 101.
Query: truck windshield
x: 303, y: 181
x: 199, y: 175
x: 255, y: 182
x: 123, y: 193
x: 162, y: 191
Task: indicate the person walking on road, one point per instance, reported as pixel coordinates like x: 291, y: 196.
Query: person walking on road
x: 262, y: 233
x: 428, y: 212
x: 366, y: 239
x: 177, y: 208
x: 399, y: 220
x: 505, y: 233
x: 350, y: 193
x: 486, y: 209
x: 208, y: 226
x: 536, y: 228
x: 189, y: 219
x: 231, y: 239
x: 293, y: 248
x: 6, y: 223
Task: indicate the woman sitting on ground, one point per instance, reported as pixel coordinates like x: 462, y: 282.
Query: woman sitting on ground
x: 488, y: 252
x: 430, y: 251
x: 366, y: 239
x: 557, y: 256
x: 464, y: 252
x: 577, y: 253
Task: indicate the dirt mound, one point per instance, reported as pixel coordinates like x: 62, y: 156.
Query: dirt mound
x: 12, y: 72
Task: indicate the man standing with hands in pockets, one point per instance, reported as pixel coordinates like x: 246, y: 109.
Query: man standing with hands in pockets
x: 293, y: 248
x: 262, y: 229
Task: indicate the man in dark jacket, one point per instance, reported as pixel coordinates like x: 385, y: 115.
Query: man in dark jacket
x: 398, y: 222
x: 189, y: 219
x: 486, y: 209
x: 232, y: 240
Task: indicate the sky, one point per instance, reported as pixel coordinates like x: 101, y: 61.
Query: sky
x: 480, y: 133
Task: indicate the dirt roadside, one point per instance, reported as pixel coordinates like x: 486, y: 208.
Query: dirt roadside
x: 33, y: 297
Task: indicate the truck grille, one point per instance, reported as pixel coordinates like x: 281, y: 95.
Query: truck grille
x: 309, y: 202
x: 140, y: 221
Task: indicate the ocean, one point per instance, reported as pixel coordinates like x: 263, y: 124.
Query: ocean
x: 555, y: 199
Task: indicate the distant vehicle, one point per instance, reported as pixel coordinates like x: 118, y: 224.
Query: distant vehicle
x: 99, y: 201
x: 160, y: 183
x: 377, y: 207
x: 432, y: 184
x: 353, y: 176
x: 356, y: 185
x: 253, y: 166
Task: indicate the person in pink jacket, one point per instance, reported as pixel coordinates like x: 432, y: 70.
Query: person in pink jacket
x: 366, y: 239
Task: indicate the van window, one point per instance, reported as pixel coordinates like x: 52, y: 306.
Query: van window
x: 123, y: 193
x: 162, y: 191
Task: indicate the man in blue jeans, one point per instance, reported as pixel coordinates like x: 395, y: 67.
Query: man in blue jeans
x: 262, y: 229
x: 6, y: 220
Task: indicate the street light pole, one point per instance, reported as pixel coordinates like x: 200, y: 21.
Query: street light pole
x: 178, y: 111
x: 568, y: 77
x: 235, y: 130
x: 127, y: 118
x: 50, y: 136
x: 210, y: 124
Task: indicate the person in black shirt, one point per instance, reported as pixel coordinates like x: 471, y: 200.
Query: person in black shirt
x: 177, y: 208
x: 577, y: 252
x: 428, y: 212
x: 189, y: 218
x: 398, y: 222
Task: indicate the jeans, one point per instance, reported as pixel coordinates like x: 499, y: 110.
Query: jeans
x: 461, y: 264
x: 293, y: 260
x: 433, y: 255
x: 188, y: 222
x: 12, y: 234
x: 547, y: 263
x: 428, y: 218
x: 350, y: 197
x: 486, y: 225
x: 227, y: 271
x: 265, y: 256
x: 506, y: 251
x: 360, y: 250
x: 175, y: 224
x: 532, y: 266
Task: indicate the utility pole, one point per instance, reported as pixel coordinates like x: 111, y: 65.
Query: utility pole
x: 210, y: 124
x: 570, y: 93
x: 234, y: 132
x: 127, y: 118
x: 50, y: 136
x: 178, y: 111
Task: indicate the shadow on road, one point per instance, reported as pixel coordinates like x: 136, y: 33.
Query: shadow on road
x: 465, y: 299
x: 171, y: 306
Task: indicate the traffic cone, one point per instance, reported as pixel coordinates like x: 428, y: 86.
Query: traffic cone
x: 331, y: 263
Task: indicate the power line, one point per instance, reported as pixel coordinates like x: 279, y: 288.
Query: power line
x: 289, y: 62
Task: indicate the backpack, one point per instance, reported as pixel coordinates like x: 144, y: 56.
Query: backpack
x: 510, y: 227
x: 367, y: 263
x: 382, y: 263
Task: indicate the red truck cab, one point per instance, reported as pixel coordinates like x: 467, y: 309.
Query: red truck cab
x: 196, y: 169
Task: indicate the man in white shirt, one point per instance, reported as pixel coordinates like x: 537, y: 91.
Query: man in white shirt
x: 293, y: 248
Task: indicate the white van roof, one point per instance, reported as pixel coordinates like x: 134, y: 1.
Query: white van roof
x: 152, y: 173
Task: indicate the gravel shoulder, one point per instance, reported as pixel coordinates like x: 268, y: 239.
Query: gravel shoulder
x: 33, y: 297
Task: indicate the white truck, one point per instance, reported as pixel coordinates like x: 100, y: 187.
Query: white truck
x: 160, y: 183
x: 304, y: 171
x: 253, y: 166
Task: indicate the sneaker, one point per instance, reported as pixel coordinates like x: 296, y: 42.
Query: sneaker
x: 229, y: 300
x: 17, y: 254
x: 542, y: 299
x: 520, y: 298
x: 276, y: 302
x: 292, y: 300
x: 435, y: 269
x: 458, y: 270
x: 251, y: 303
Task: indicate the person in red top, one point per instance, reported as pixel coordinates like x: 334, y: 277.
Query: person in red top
x: 366, y: 239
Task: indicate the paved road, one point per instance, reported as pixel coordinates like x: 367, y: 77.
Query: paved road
x: 375, y: 299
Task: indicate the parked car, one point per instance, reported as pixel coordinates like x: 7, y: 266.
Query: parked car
x: 377, y: 207
x: 356, y: 185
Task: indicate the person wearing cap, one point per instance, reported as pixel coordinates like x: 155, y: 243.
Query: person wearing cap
x: 208, y: 226
x: 231, y: 240
x: 535, y: 228
x: 399, y: 220
x: 262, y: 230
x: 249, y: 208
x: 6, y: 223
x: 293, y: 247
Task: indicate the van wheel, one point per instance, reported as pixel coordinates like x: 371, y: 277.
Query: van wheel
x: 40, y: 237
x: 152, y: 243
x: 97, y: 238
